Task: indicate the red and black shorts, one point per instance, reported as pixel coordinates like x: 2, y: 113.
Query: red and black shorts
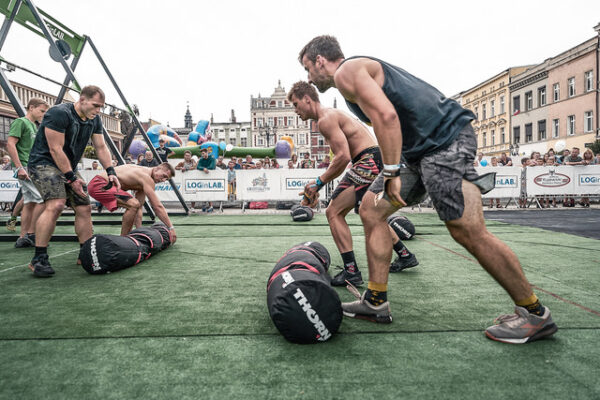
x: 108, y: 198
x: 366, y: 166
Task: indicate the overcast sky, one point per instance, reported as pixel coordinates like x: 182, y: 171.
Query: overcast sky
x: 216, y: 54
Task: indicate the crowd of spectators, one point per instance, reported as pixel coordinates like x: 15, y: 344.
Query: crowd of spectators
x: 550, y: 158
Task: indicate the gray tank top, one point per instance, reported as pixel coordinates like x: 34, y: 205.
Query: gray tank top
x: 429, y: 120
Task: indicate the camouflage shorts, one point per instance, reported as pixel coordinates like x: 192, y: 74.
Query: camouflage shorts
x: 52, y: 184
x: 440, y: 174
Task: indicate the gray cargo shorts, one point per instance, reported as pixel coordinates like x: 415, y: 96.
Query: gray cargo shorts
x: 440, y: 174
x: 51, y: 184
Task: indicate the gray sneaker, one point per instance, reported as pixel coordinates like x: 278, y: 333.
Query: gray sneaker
x: 362, y: 309
x: 25, y: 241
x: 522, y: 327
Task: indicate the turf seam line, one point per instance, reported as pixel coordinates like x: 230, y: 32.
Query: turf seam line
x: 257, y: 334
x: 24, y: 265
x: 594, y: 312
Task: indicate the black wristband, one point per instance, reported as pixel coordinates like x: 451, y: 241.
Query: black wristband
x: 70, y: 176
x: 111, y: 171
x: 391, y: 173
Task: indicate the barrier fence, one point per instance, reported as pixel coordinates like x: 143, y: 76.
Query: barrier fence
x: 285, y: 184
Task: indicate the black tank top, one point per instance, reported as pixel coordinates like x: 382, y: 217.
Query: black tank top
x: 429, y: 120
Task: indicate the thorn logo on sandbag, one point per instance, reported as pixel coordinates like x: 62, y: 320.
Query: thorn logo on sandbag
x: 94, y: 253
x: 312, y: 316
x: 398, y: 227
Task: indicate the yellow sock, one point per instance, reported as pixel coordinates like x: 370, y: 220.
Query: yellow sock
x: 528, y: 301
x: 380, y: 287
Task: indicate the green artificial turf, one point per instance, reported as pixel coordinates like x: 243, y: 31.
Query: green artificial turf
x: 191, y: 322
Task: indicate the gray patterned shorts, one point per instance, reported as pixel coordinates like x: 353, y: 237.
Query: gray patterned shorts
x: 52, y: 184
x: 440, y: 174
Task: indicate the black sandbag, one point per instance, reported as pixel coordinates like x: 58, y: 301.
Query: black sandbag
x: 107, y: 253
x: 149, y: 237
x: 300, y: 258
x: 165, y: 233
x: 303, y: 307
x: 402, y: 226
x: 302, y: 214
x: 318, y: 250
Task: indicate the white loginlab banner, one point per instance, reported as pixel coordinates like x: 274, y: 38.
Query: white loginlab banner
x: 508, y: 181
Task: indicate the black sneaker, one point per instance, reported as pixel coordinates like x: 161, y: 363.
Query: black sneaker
x: 403, y: 263
x: 41, y: 266
x: 341, y: 278
x: 25, y: 241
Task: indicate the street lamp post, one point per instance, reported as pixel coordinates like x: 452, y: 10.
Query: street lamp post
x: 267, y: 131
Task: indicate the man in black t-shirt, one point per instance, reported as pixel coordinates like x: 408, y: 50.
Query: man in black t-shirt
x: 163, y: 151
x: 59, y: 145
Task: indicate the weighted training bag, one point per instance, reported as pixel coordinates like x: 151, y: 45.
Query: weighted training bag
x: 108, y: 253
x: 402, y: 226
x: 302, y: 214
x: 301, y: 302
x: 316, y: 249
x: 303, y: 306
x: 299, y: 258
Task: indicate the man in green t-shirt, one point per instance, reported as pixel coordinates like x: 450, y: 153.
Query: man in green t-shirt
x: 20, y: 140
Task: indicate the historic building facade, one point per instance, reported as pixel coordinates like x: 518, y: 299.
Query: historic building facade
x: 558, y: 100
x: 273, y: 117
x: 490, y: 102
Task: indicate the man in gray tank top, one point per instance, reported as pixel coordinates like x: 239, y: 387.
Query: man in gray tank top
x: 413, y: 119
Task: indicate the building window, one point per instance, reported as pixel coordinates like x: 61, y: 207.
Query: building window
x: 476, y: 109
x: 321, y: 141
x: 589, y: 83
x: 516, y: 105
x: 571, y: 125
x: 542, y: 96
x: 571, y: 85
x: 516, y: 134
x: 260, y: 122
x: 556, y: 92
x: 501, y: 104
x: 492, y: 108
x: 502, y: 136
x: 291, y: 121
x: 233, y: 141
x: 270, y: 121
x: 528, y: 133
x: 301, y: 139
x: 528, y: 101
x: 279, y: 121
x: 542, y: 129
x: 484, y: 135
x: 260, y: 141
x: 483, y: 112
x: 279, y: 103
x: 493, y: 135
x: 588, y: 121
x: 243, y: 142
x: 555, y: 128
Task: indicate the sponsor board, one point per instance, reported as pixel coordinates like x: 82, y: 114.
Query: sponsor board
x: 203, y: 185
x: 10, y: 185
x: 552, y: 179
x: 506, y: 181
x: 296, y: 183
x: 589, y: 180
x: 260, y: 184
